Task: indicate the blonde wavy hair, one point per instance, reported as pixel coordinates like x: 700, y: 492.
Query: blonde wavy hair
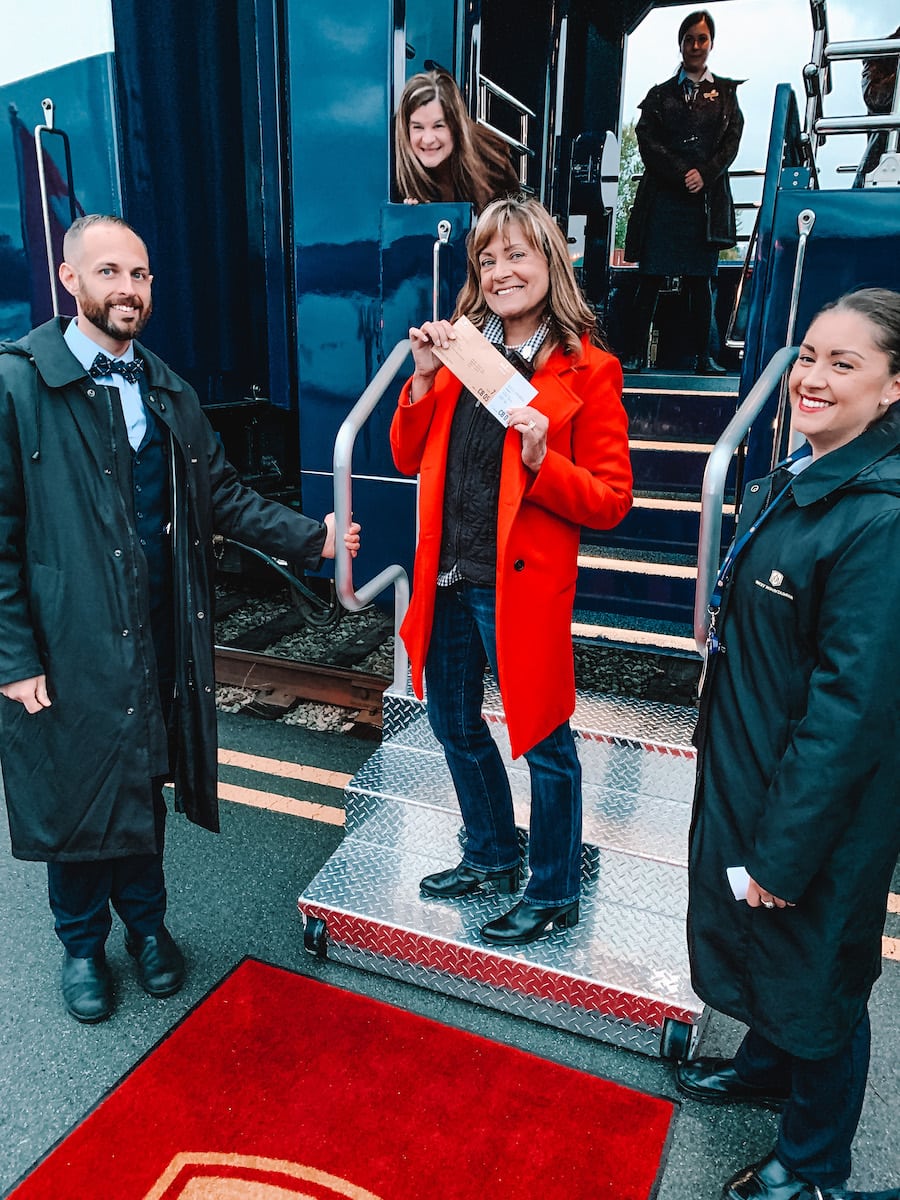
x: 477, y: 160
x: 568, y: 314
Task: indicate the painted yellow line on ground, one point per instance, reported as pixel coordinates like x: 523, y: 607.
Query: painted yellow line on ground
x: 890, y: 948
x: 284, y: 804
x: 893, y: 902
x: 286, y: 770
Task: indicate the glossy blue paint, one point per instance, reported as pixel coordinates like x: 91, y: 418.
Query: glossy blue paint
x: 82, y: 93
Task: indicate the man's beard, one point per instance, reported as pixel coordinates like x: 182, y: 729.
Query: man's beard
x: 102, y: 316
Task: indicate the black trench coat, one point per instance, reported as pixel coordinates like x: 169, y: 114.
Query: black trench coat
x: 669, y: 150
x: 798, y: 754
x: 74, y: 606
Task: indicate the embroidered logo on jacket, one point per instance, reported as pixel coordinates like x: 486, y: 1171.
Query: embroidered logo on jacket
x: 775, y: 580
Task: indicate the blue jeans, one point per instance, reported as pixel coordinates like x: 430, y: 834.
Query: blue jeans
x: 826, y: 1097
x: 463, y: 641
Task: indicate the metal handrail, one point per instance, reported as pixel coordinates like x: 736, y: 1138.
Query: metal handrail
x: 805, y: 222
x: 354, y: 599
x: 713, y: 491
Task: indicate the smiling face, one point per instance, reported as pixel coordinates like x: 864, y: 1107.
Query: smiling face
x: 430, y: 136
x: 841, y: 382
x: 107, y: 272
x: 695, y: 47
x: 515, y: 281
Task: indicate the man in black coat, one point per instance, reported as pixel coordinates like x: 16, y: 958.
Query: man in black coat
x: 112, y: 483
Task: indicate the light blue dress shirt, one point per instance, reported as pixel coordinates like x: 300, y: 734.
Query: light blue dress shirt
x: 86, y: 350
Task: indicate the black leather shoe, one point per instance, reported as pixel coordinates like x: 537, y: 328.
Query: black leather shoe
x: 634, y: 365
x: 528, y: 922
x: 463, y: 880
x: 159, y: 962
x: 772, y: 1180
x: 708, y: 366
x: 86, y: 988
x: 715, y: 1081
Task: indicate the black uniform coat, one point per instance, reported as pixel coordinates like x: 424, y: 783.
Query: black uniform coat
x: 675, y: 138
x: 74, y: 605
x: 798, y: 753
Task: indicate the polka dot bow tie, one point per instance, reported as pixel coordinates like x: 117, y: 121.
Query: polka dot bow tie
x: 109, y: 366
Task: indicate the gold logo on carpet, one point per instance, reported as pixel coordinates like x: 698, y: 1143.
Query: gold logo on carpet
x: 249, y: 1177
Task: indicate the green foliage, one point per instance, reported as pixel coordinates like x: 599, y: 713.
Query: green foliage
x: 630, y: 164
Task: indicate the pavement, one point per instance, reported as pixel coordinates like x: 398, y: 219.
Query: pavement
x: 235, y: 895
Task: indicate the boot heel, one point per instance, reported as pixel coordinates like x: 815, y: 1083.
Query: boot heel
x: 568, y: 919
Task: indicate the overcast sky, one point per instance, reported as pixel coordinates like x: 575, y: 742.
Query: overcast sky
x: 765, y: 42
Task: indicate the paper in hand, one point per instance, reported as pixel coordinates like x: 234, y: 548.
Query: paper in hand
x: 482, y: 369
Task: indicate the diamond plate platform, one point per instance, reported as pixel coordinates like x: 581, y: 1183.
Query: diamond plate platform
x: 621, y: 975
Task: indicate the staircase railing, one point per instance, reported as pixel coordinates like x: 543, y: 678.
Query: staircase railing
x: 351, y: 597
x: 714, y: 477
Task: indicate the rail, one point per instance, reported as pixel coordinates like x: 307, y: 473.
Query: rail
x: 40, y: 131
x: 353, y: 598
x: 713, y: 492
x: 487, y: 88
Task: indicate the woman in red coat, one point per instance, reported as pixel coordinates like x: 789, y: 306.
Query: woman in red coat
x: 501, y: 510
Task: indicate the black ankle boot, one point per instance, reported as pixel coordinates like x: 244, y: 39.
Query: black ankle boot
x: 463, y: 880
x: 528, y: 922
x: 709, y: 366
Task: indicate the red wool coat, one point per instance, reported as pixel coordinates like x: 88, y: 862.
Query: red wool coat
x: 585, y: 479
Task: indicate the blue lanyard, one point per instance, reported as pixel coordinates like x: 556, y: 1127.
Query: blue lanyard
x: 737, y: 547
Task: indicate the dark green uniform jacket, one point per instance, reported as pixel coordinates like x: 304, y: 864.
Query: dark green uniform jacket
x: 74, y: 605
x: 799, y: 754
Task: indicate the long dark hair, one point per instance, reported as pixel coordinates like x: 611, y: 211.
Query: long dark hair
x: 477, y: 159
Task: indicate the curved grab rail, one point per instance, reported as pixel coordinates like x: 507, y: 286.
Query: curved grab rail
x: 350, y: 597
x: 713, y: 493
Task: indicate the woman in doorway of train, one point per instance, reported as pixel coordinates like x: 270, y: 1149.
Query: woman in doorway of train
x: 501, y: 510
x: 688, y: 135
x: 796, y: 826
x: 442, y: 154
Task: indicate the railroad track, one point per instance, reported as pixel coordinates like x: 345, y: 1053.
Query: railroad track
x: 269, y: 645
x: 279, y: 683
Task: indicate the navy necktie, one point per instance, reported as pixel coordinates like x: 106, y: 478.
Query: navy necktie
x: 129, y: 371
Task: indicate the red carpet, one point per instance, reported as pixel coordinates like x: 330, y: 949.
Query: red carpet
x: 278, y: 1087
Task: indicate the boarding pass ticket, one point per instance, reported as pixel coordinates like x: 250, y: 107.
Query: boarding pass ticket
x: 482, y: 369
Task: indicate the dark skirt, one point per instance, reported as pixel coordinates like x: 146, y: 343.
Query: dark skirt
x: 675, y: 240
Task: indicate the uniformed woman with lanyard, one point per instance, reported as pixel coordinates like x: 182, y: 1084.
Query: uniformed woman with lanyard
x: 796, y: 825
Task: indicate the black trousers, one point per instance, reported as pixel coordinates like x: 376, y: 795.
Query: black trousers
x: 81, y: 893
x: 826, y: 1097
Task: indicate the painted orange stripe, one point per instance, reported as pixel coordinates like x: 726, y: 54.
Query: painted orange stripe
x: 890, y: 948
x: 286, y: 770
x: 893, y: 902
x: 285, y: 804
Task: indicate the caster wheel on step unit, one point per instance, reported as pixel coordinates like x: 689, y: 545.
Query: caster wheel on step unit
x: 676, y: 1040
x: 315, y: 939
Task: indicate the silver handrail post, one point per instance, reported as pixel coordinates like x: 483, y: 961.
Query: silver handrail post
x: 443, y: 237
x: 713, y: 492
x: 351, y: 598
x: 47, y: 127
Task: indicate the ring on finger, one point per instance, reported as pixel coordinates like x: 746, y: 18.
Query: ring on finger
x: 531, y: 425
x: 768, y: 903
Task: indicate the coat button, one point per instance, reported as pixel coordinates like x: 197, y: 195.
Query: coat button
x: 129, y: 712
x: 755, y: 488
x: 117, y: 553
x: 91, y: 392
x: 519, y: 564
x: 107, y: 471
x: 124, y: 633
x: 200, y: 615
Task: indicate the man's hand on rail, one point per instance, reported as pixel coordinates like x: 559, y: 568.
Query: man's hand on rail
x: 351, y: 537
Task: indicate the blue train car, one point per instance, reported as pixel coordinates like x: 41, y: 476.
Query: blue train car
x: 250, y: 142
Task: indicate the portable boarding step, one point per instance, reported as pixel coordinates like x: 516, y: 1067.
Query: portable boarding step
x: 621, y: 975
